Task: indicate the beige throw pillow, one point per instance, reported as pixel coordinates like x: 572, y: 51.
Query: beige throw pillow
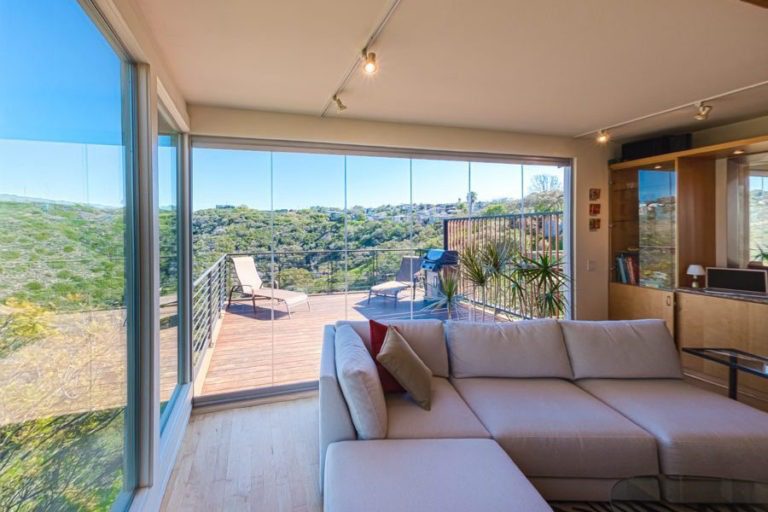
x: 360, y: 384
x: 407, y: 368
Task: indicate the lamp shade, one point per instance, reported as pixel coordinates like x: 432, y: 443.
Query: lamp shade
x: 695, y: 270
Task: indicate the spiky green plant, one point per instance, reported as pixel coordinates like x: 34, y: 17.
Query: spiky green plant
x: 474, y: 271
x: 449, y: 293
x: 545, y: 281
x: 762, y: 254
x: 496, y: 256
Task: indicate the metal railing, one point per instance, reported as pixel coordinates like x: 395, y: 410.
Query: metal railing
x: 209, y: 295
x: 532, y: 234
x: 313, y: 272
x: 337, y: 271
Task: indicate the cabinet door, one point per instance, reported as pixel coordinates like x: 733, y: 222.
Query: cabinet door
x: 629, y: 302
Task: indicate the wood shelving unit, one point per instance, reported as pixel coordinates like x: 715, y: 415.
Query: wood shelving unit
x: 694, y: 221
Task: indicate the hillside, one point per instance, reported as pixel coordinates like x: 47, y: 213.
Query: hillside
x: 62, y: 256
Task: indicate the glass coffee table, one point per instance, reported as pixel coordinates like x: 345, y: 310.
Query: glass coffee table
x: 736, y: 361
x: 688, y: 494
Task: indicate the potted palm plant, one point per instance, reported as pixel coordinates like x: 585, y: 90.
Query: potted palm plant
x: 761, y: 257
x: 474, y: 271
x: 449, y: 293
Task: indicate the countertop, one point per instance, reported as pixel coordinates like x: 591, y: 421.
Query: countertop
x: 745, y: 297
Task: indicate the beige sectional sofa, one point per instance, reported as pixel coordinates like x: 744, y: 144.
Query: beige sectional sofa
x: 573, y: 406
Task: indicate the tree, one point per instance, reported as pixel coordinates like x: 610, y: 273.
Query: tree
x: 545, y: 183
x: 495, y: 209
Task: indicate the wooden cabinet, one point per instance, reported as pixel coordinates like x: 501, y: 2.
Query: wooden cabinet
x: 635, y: 302
x: 711, y: 321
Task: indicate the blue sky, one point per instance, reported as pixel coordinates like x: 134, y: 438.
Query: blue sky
x: 654, y: 185
x: 61, y: 122
x: 242, y: 177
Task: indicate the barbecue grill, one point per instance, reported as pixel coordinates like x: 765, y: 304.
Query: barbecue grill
x: 434, y: 261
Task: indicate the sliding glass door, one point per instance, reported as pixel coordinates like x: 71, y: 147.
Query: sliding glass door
x: 302, y: 240
x: 66, y: 278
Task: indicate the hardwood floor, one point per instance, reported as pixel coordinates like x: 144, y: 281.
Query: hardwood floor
x: 261, y: 458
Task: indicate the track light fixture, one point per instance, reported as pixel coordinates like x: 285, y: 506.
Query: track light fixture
x: 340, y: 107
x: 370, y: 66
x: 603, y: 136
x: 703, y: 111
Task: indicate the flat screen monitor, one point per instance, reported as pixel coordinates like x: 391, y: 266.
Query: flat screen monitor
x: 737, y: 280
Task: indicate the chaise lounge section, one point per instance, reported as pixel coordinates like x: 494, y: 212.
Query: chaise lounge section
x: 575, y: 407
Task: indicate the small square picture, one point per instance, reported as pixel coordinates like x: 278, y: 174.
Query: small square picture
x: 594, y: 209
x: 594, y: 194
x: 594, y: 224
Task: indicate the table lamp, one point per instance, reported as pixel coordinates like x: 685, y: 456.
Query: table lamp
x: 695, y: 271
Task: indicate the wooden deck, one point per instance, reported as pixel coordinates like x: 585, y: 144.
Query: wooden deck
x: 253, y: 352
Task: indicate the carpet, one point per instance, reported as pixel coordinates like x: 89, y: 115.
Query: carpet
x: 638, y: 506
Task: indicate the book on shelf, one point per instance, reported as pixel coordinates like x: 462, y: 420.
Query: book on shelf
x: 627, y: 268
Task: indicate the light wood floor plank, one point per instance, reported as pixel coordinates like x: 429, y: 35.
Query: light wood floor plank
x: 259, y: 458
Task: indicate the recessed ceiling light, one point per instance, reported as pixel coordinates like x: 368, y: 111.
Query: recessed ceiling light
x: 657, y: 167
x: 702, y: 113
x: 369, y: 62
x: 603, y: 136
x: 738, y: 152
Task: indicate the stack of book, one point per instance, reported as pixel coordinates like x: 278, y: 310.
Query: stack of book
x: 627, y: 268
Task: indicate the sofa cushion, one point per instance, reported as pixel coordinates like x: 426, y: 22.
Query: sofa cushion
x: 406, y: 367
x: 426, y: 337
x: 425, y: 475
x: 699, y: 433
x: 532, y: 348
x: 378, y: 335
x: 552, y: 428
x: 625, y: 349
x: 359, y: 382
x: 449, y: 416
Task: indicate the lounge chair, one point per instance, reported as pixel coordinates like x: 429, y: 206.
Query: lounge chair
x: 251, y: 285
x: 406, y: 278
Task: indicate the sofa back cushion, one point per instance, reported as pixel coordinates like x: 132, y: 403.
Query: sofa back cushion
x: 426, y: 338
x: 624, y: 349
x: 525, y: 349
x: 360, y: 384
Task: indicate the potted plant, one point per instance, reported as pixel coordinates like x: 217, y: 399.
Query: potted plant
x: 761, y: 258
x: 449, y: 293
x: 537, y: 286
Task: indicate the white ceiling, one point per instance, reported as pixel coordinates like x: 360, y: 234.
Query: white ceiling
x: 560, y: 67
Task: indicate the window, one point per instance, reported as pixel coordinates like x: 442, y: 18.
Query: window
x: 334, y: 225
x: 746, y: 209
x: 65, y: 255
x: 168, y: 222
x: 758, y: 212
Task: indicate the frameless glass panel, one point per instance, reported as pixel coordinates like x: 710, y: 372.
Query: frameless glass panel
x: 496, y: 224
x: 383, y: 264
x: 168, y: 219
x: 656, y: 191
x: 310, y: 257
x: 543, y: 235
x: 758, y: 212
x: 63, y: 279
x: 232, y: 240
x: 443, y: 204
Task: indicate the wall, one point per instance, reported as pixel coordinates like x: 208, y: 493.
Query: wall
x: 590, y: 169
x: 741, y: 130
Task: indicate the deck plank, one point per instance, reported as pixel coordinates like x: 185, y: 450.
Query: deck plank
x: 253, y: 352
